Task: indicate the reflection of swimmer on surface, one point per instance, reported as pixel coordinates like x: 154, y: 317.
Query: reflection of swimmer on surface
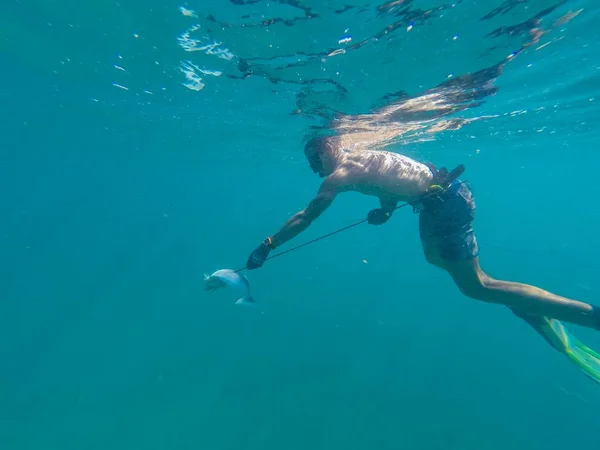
x: 415, y: 118
x: 447, y: 210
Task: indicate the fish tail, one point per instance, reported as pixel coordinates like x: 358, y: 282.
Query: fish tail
x: 245, y: 301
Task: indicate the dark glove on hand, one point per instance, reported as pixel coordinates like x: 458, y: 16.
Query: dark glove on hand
x: 378, y: 216
x: 259, y: 255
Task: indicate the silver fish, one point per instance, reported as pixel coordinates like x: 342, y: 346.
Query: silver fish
x: 227, y: 277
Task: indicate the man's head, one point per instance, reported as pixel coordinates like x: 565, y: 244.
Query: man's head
x: 322, y: 155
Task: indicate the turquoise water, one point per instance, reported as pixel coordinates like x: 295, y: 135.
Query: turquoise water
x: 143, y: 145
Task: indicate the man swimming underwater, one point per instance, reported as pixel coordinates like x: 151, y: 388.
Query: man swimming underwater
x: 446, y: 213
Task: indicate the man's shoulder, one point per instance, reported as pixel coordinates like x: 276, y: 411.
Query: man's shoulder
x: 340, y: 179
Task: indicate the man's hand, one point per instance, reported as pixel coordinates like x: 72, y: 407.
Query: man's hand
x: 260, y: 254
x: 378, y: 216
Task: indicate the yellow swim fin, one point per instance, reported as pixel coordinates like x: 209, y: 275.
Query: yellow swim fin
x: 584, y: 357
x: 557, y: 335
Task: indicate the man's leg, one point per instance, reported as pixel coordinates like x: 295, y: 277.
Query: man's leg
x: 527, y: 300
x: 550, y: 329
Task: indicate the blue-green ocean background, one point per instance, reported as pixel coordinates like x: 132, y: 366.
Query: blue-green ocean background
x: 116, y: 202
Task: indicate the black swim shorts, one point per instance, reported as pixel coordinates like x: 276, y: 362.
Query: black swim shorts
x: 446, y: 222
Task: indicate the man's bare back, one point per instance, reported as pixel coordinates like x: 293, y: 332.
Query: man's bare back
x: 391, y: 177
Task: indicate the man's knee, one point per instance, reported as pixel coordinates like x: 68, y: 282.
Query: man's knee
x: 477, y: 288
x: 471, y: 280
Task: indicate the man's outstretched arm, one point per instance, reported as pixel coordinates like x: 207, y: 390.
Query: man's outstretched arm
x: 297, y: 223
